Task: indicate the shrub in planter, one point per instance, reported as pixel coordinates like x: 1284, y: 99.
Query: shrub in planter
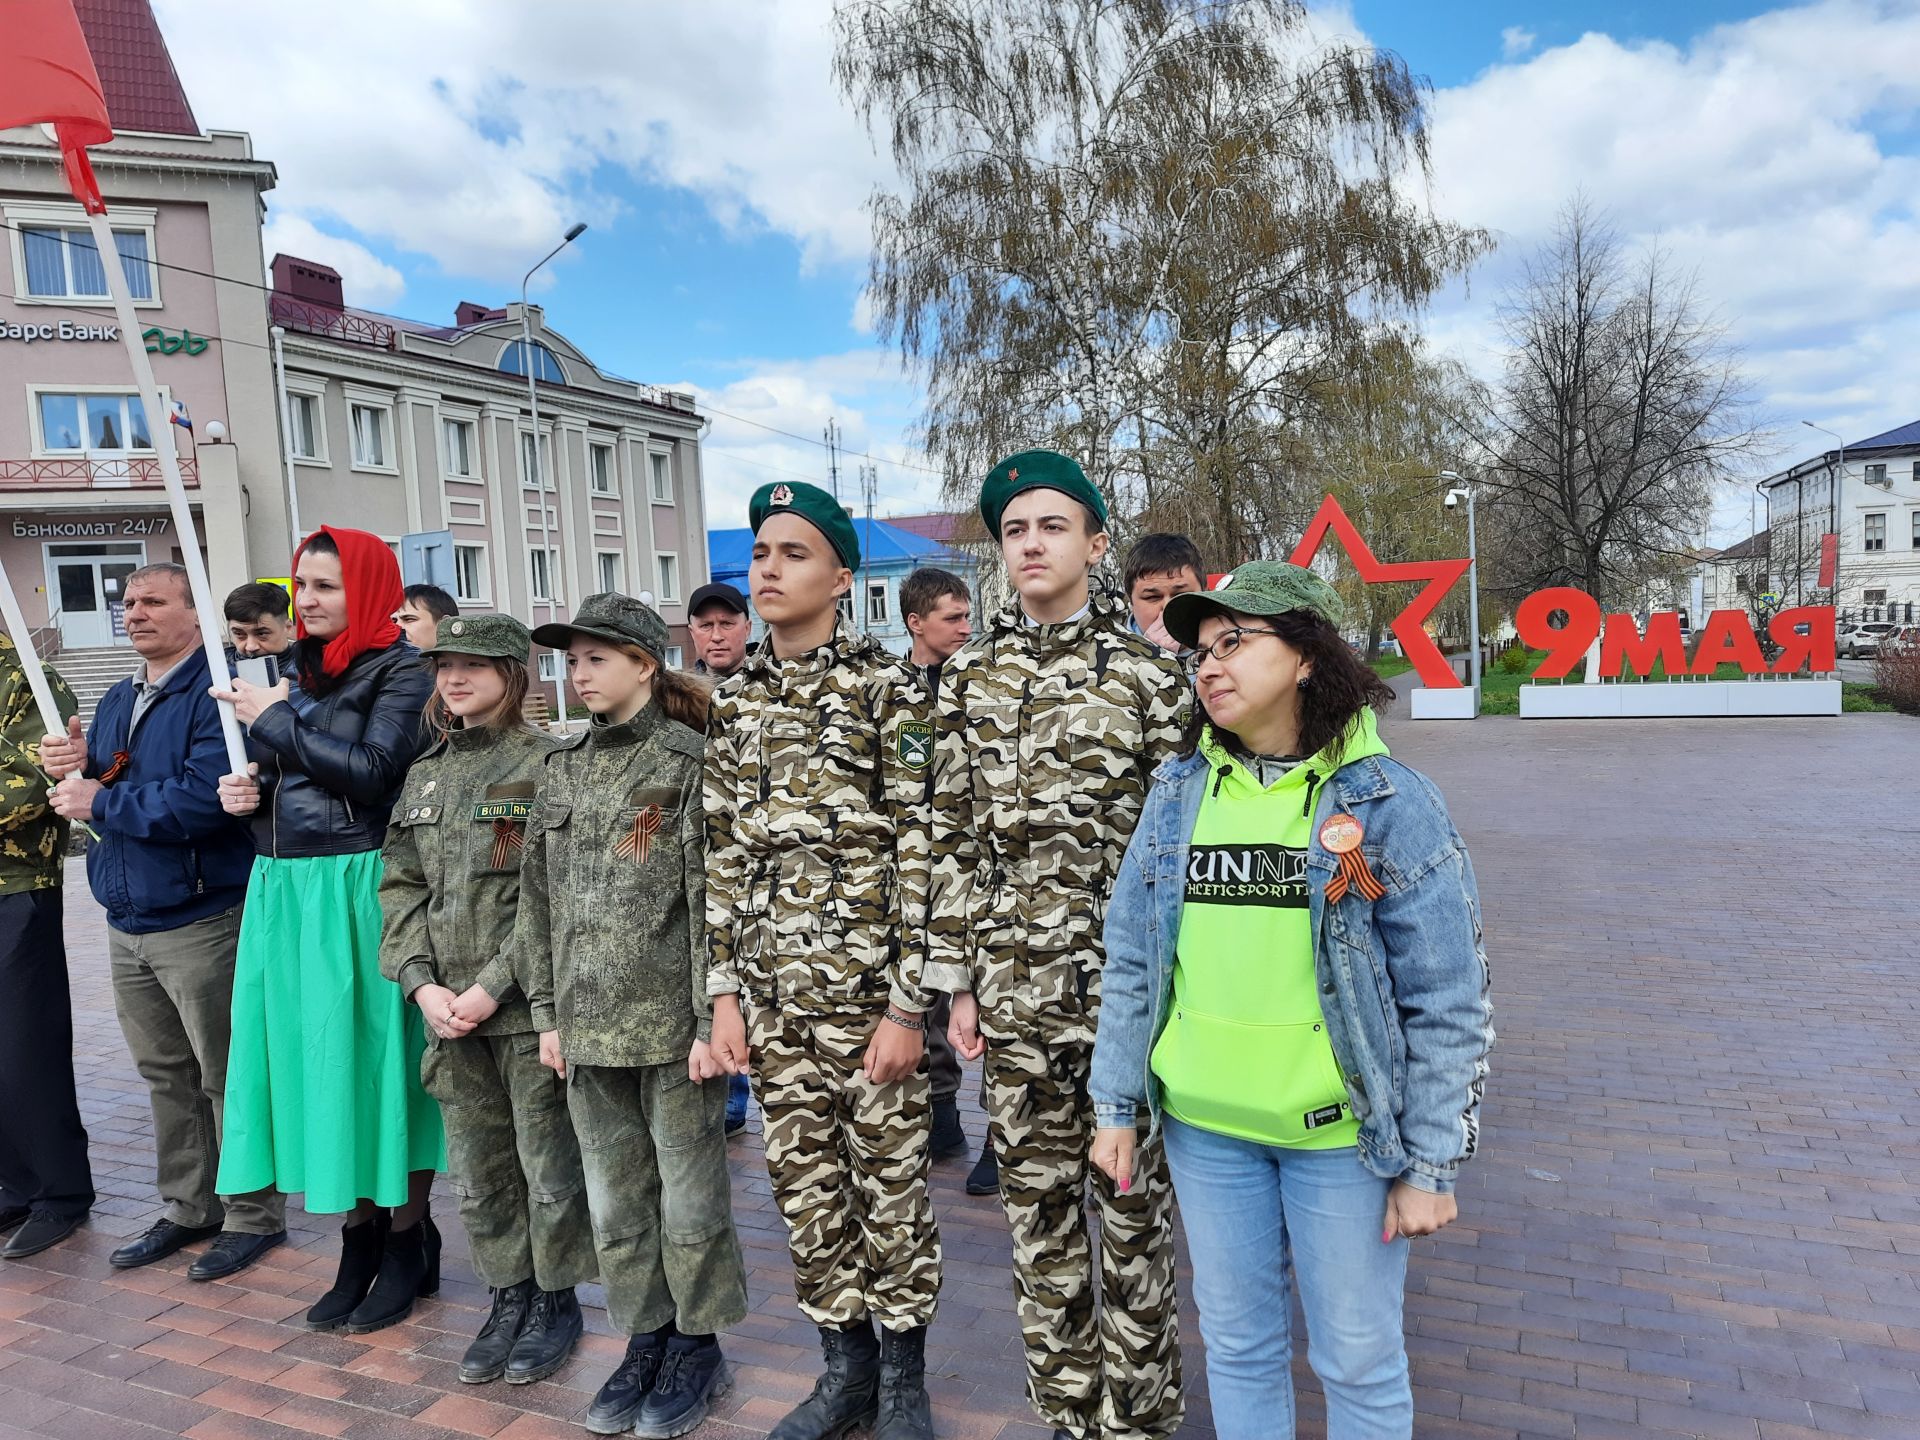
x: 1896, y: 675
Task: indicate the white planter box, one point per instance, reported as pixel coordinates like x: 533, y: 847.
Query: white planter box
x: 1454, y: 703
x: 1666, y: 699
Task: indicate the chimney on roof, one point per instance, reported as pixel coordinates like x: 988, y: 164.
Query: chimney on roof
x: 468, y: 313
x: 308, y: 281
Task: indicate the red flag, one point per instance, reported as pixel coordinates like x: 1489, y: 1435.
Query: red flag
x: 47, y: 77
x: 1829, y: 559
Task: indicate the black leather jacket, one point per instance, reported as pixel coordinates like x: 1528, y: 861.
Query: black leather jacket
x: 331, y: 766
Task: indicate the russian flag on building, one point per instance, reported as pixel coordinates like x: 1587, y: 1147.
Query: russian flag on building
x: 180, y: 416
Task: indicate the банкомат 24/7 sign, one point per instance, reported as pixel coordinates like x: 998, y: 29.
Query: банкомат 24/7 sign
x: 1568, y: 624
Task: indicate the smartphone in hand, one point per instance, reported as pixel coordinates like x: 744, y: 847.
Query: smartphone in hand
x: 261, y: 670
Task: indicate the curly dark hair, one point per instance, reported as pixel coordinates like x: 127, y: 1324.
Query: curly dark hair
x: 1342, y: 685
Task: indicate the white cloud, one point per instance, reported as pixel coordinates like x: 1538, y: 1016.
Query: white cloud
x: 1516, y: 40
x: 368, y: 280
x: 474, y: 131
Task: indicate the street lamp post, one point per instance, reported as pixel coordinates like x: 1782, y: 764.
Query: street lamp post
x: 547, y: 562
x: 1473, y: 578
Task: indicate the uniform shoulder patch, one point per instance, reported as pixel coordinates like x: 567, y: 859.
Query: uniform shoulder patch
x: 915, y: 744
x: 684, y: 739
x: 512, y: 809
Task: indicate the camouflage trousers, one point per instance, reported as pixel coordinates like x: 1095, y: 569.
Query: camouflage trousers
x: 1114, y: 1373
x: 655, y: 1153
x: 511, y: 1160
x: 848, y: 1162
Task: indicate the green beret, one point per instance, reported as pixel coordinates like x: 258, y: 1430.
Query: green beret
x: 813, y: 505
x: 617, y: 619
x: 1259, y: 587
x: 1035, y: 470
x: 499, y: 637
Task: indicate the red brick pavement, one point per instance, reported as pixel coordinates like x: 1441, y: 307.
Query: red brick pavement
x: 1695, y: 1212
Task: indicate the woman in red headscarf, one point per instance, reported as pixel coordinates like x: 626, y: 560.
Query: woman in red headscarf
x: 323, y: 1080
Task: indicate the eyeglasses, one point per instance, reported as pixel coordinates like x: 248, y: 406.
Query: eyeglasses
x: 1224, y: 647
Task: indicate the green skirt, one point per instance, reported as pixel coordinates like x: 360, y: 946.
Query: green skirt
x: 323, y: 1080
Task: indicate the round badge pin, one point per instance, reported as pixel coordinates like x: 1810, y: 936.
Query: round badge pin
x: 1341, y: 834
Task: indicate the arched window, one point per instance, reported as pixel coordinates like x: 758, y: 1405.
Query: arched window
x: 546, y: 365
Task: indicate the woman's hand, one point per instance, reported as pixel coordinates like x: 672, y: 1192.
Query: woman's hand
x: 729, y: 1043
x: 1413, y: 1212
x: 550, y: 1053
x: 963, y: 1026
x: 474, y: 1006
x: 250, y: 700
x: 240, y: 794
x: 1113, y: 1154
x: 436, y: 1003
x: 701, y: 1066
x: 893, y: 1051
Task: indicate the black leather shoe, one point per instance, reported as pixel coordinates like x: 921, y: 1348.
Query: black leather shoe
x: 162, y: 1239
x: 486, y: 1357
x: 232, y: 1253
x: 617, y: 1405
x: 41, y: 1231
x: 693, y: 1375
x: 13, y: 1217
x: 949, y: 1141
x: 553, y: 1329
x: 984, y: 1179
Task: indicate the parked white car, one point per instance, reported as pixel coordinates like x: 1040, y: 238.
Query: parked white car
x: 1862, y: 642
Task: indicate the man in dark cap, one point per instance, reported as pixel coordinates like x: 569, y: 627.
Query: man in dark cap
x: 816, y: 777
x: 718, y: 620
x: 1047, y: 728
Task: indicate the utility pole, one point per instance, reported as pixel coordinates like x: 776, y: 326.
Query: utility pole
x: 832, y: 437
x: 869, y: 483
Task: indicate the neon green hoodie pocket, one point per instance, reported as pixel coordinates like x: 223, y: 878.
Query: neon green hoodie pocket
x: 1273, y: 1084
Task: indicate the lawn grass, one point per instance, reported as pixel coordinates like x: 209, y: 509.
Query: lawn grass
x: 1388, y: 666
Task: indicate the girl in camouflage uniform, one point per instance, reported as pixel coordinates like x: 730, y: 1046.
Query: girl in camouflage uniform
x: 448, y: 896
x: 610, y: 950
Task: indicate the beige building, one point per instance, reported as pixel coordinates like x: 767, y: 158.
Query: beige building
x: 81, y: 501
x: 418, y: 430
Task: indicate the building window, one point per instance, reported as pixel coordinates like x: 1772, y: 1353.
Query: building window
x: 669, y: 571
x: 1873, y: 597
x: 1740, y: 585
x: 676, y: 658
x: 600, y: 468
x: 876, y: 602
x: 527, y: 479
x: 372, y: 445
x: 550, y: 665
x: 1916, y: 529
x: 660, y: 478
x: 546, y: 365
x: 74, y: 424
x: 609, y: 567
x: 846, y: 607
x: 470, y: 572
x: 65, y: 264
x: 1876, y: 475
x: 542, y: 566
x: 1876, y: 532
x: 303, y: 427
x: 456, y: 436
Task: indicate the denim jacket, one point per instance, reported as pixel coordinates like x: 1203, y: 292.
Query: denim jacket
x: 1403, y: 980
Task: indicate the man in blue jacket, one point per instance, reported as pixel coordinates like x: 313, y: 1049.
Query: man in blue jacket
x: 170, y: 869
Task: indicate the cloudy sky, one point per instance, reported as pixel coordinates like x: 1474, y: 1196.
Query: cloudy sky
x: 433, y: 149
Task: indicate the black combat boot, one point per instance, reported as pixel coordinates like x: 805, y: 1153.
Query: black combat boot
x: 553, y: 1329
x: 984, y: 1178
x: 905, y: 1412
x: 409, y: 1268
x: 486, y: 1357
x: 361, y: 1247
x: 617, y: 1405
x: 949, y: 1140
x: 847, y: 1395
x: 692, y: 1377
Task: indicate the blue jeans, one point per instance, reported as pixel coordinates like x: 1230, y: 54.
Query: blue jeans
x: 739, y: 1091
x: 1247, y: 1208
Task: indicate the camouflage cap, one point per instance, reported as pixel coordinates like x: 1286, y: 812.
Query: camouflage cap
x: 1259, y: 587
x: 615, y: 618
x: 1037, y: 470
x: 499, y: 637
x: 816, y: 507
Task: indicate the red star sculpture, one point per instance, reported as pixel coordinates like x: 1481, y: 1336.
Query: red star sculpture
x: 1441, y: 575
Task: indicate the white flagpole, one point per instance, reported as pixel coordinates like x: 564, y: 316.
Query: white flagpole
x: 29, y: 658
x: 158, y: 421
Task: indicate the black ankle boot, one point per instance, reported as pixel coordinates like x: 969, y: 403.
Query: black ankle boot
x: 410, y: 1267
x: 486, y: 1358
x: 360, y: 1249
x: 948, y: 1140
x: 905, y: 1412
x: 847, y: 1395
x: 553, y: 1329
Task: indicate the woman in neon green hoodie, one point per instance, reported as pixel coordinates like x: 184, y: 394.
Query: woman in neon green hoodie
x: 1295, y: 993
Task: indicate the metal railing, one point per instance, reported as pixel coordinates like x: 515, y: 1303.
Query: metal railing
x: 335, y: 324
x: 128, y: 471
